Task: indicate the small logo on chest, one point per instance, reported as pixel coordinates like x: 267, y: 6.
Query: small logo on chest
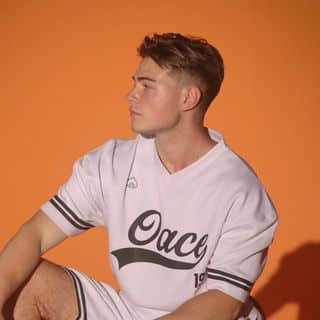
x: 132, y: 183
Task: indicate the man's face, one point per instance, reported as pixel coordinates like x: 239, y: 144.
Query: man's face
x: 154, y: 100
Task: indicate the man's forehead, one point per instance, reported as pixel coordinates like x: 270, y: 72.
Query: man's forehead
x: 148, y: 68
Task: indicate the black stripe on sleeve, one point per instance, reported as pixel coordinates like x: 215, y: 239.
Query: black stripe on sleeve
x: 56, y: 205
x: 74, y: 216
x: 229, y: 275
x: 210, y: 276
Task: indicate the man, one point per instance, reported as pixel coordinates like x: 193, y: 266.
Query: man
x: 188, y: 222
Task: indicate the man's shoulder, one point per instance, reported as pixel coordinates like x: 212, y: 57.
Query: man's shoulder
x: 109, y: 151
x: 228, y: 164
x: 115, y: 145
x: 237, y: 172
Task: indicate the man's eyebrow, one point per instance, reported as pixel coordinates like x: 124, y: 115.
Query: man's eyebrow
x: 141, y: 78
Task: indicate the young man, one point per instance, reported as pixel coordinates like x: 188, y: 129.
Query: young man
x: 188, y: 222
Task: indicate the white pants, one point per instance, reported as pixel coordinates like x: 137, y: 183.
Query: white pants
x: 98, y: 301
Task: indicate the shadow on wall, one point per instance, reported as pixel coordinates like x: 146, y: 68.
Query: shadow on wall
x: 296, y: 281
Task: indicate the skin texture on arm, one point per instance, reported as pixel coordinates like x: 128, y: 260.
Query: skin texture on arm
x: 211, y: 305
x: 22, y: 253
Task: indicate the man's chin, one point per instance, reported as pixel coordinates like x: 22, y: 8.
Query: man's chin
x: 144, y: 133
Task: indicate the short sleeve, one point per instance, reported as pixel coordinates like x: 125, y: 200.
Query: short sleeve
x: 78, y: 204
x: 241, y: 252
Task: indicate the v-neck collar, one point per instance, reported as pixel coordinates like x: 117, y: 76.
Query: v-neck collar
x: 212, y: 153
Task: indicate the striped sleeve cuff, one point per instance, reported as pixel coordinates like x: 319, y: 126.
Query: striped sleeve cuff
x: 66, y: 219
x: 230, y: 284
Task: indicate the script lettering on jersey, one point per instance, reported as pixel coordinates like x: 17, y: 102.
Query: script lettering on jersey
x: 147, y: 228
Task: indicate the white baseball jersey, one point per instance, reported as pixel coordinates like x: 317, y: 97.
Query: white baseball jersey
x: 171, y: 236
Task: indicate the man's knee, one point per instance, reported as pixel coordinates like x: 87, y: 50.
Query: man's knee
x: 47, y: 294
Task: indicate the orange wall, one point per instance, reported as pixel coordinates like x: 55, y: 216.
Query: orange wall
x: 66, y: 65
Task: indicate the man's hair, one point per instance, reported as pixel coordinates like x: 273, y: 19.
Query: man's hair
x: 190, y: 55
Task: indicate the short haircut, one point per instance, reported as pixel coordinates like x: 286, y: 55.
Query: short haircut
x: 190, y: 55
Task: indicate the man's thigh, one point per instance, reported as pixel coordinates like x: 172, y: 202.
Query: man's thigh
x: 53, y: 292
x: 48, y: 294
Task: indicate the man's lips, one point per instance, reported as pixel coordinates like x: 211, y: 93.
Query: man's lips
x: 134, y: 113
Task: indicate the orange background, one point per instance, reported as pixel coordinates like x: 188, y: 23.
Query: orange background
x: 66, y: 65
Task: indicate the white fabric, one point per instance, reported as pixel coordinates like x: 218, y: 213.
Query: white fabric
x: 171, y: 236
x: 96, y: 300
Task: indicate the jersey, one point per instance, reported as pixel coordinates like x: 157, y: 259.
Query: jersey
x: 171, y: 236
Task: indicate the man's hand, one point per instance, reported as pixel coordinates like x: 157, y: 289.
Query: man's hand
x: 211, y: 305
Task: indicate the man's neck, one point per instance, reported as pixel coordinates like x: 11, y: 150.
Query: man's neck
x: 180, y: 149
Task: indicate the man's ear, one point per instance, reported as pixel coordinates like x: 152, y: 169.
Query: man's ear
x: 191, y: 97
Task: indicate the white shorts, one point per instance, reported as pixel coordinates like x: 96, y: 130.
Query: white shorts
x: 98, y: 301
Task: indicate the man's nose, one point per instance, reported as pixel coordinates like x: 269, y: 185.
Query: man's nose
x: 132, y: 95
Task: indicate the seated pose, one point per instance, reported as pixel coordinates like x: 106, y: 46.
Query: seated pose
x: 188, y: 221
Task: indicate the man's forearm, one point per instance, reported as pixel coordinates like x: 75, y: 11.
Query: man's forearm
x: 17, y: 261
x: 22, y: 253
x: 175, y: 316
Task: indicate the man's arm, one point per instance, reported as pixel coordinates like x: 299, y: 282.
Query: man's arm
x: 22, y: 253
x: 211, y: 305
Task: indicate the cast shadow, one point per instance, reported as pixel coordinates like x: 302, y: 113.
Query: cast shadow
x: 297, y: 281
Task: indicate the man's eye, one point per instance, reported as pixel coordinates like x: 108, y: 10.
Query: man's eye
x: 145, y: 85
